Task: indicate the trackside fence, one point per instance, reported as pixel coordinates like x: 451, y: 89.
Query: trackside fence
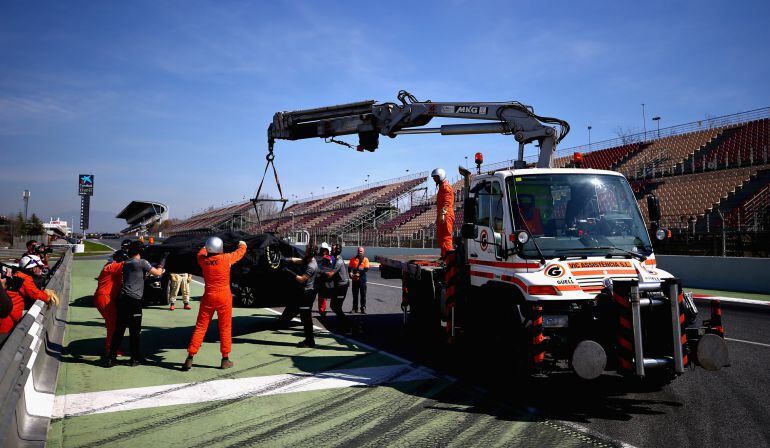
x: 29, y: 365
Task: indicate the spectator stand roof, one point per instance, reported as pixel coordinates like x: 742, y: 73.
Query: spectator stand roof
x: 140, y: 215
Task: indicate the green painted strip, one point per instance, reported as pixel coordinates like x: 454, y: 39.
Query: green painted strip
x: 433, y: 412
x: 737, y: 295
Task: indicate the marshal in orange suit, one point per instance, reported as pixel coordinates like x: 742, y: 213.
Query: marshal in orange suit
x: 107, y: 290
x: 217, y: 297
x: 445, y: 211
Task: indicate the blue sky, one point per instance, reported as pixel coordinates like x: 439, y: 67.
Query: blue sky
x: 170, y: 101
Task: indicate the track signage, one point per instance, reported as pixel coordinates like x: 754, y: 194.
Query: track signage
x: 86, y: 184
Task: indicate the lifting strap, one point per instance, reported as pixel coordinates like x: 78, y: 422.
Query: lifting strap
x: 270, y: 163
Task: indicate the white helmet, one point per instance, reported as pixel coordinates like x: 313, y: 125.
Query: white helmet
x: 214, y: 245
x: 440, y: 173
x: 30, y: 261
x: 326, y: 246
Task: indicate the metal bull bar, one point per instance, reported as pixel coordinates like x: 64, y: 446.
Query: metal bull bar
x: 630, y: 291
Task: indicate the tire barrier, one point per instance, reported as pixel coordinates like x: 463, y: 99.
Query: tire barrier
x: 29, y: 365
x: 538, y: 340
x: 450, y: 283
x: 625, y: 331
x: 683, y: 328
x: 715, y: 323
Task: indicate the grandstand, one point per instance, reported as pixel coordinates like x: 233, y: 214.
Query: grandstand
x: 709, y: 174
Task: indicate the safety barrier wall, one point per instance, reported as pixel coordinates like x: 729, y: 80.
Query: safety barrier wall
x: 721, y: 273
x: 372, y: 252
x: 29, y: 365
x: 742, y: 274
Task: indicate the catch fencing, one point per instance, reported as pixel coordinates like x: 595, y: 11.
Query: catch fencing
x: 29, y: 365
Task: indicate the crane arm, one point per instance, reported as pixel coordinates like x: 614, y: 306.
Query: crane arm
x: 369, y: 120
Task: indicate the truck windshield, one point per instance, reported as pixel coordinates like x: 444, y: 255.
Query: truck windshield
x: 570, y: 214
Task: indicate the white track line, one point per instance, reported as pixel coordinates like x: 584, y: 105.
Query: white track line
x: 748, y: 342
x: 435, y: 373
x: 382, y: 284
x: 733, y: 300
x: 229, y: 389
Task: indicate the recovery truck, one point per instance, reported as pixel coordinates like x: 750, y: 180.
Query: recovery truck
x: 558, y: 261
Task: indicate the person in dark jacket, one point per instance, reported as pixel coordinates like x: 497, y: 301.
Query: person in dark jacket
x: 129, y: 303
x: 306, y: 277
x: 338, y: 273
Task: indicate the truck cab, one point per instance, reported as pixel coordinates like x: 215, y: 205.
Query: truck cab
x: 556, y: 234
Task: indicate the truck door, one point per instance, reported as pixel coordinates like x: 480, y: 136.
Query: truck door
x: 490, y: 224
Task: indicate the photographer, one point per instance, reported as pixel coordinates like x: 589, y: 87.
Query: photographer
x: 35, y: 248
x: 6, y: 305
x: 21, y: 287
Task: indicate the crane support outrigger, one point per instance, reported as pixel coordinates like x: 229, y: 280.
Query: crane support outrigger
x: 561, y: 256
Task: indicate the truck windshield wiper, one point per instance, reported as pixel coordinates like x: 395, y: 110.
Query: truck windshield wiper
x: 639, y: 257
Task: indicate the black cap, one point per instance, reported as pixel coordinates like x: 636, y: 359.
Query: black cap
x: 125, y: 243
x: 136, y: 247
x: 120, y: 255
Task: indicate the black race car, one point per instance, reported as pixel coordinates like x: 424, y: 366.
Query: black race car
x: 257, y: 280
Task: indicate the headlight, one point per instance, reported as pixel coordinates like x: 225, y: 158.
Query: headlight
x: 522, y: 237
x: 660, y: 234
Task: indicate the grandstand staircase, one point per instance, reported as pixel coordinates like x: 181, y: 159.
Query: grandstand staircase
x: 746, y: 206
x: 366, y: 220
x: 628, y: 155
x: 688, y: 165
x: 647, y: 188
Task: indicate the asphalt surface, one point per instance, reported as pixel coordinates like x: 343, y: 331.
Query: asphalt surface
x: 726, y: 408
x: 730, y: 407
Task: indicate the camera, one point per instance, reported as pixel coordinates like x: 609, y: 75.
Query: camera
x: 12, y: 283
x: 42, y: 249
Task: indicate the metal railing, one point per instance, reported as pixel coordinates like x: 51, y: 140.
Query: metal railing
x: 422, y: 174
x: 693, y: 126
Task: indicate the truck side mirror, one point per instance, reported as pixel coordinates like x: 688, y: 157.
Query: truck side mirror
x: 653, y: 208
x: 469, y: 231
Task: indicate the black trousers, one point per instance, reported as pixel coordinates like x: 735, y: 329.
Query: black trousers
x: 305, y: 305
x: 340, y: 292
x: 359, y: 287
x: 129, y: 316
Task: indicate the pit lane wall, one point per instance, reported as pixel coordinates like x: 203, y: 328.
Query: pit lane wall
x: 742, y: 274
x: 29, y: 365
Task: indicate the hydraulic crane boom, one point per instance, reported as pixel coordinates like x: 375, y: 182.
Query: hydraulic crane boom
x: 369, y: 120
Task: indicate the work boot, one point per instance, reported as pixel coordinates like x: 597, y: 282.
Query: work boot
x: 363, y: 310
x: 187, y: 364
x: 171, y: 308
x: 306, y: 343
x: 354, y: 310
x: 226, y: 363
x: 187, y: 306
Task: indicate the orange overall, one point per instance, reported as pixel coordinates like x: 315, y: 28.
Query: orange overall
x: 217, y: 297
x: 445, y: 200
x: 109, y: 282
x: 28, y: 290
